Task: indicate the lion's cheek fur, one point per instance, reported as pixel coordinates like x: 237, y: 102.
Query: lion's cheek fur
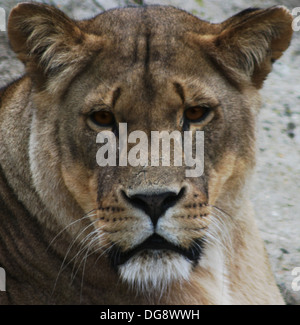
x: 45, y: 167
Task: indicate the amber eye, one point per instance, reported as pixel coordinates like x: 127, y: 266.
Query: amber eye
x: 103, y: 118
x: 195, y: 114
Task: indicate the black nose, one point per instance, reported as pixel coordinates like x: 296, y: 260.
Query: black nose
x: 154, y: 205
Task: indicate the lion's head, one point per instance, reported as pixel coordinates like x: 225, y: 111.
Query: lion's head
x: 152, y: 69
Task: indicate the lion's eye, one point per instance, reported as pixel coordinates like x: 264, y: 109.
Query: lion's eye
x: 195, y: 114
x: 103, y: 118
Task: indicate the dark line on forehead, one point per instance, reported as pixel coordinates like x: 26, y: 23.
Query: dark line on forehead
x: 148, y: 78
x: 135, y: 50
x: 147, y: 33
x: 146, y: 30
x: 147, y: 54
x: 116, y: 96
x: 179, y: 90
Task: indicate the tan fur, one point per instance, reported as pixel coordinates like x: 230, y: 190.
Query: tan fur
x: 62, y: 215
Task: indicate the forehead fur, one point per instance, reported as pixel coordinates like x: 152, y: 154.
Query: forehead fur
x: 132, y: 20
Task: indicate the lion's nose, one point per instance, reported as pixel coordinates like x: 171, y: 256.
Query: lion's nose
x: 155, y: 205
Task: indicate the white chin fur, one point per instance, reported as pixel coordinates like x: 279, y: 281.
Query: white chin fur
x: 152, y: 272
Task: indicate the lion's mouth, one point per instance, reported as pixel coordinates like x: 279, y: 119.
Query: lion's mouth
x: 156, y: 243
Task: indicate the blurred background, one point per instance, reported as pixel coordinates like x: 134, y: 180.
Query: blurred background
x: 276, y: 185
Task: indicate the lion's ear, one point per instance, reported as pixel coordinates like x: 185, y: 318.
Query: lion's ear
x: 251, y: 41
x: 49, y: 42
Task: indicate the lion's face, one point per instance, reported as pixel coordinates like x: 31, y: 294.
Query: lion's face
x: 152, y: 220
x: 153, y: 72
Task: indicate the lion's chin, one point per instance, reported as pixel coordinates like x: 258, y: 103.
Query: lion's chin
x: 153, y: 271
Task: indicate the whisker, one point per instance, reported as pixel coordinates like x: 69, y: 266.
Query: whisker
x: 82, y: 251
x: 82, y: 277
x: 107, y: 249
x: 97, y: 239
x: 218, y: 232
x: 87, y: 254
x: 221, y: 210
x: 86, y: 216
x: 63, y: 265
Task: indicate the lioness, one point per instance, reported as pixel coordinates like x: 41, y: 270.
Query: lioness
x: 74, y: 232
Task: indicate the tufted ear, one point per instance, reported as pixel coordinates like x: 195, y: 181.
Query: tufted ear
x: 251, y: 41
x: 50, y: 44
